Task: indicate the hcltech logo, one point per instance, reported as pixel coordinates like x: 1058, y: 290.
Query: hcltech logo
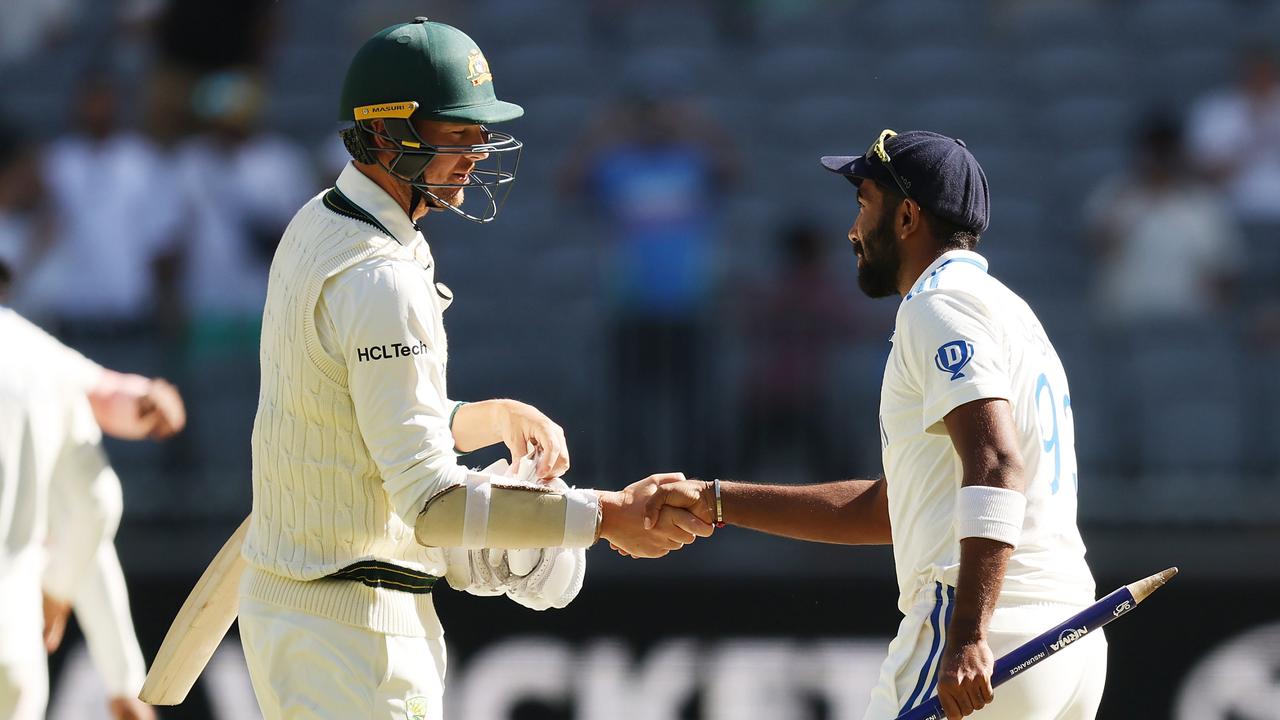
x: 394, y: 350
x: 953, y: 356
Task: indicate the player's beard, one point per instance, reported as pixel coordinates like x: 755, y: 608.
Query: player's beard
x: 878, y: 272
x: 444, y: 196
x: 456, y: 198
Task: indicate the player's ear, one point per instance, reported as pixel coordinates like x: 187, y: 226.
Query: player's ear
x: 909, y: 217
x: 378, y: 134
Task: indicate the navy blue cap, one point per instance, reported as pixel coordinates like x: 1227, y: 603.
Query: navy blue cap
x: 939, y: 173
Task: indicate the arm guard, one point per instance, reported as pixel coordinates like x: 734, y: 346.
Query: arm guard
x: 495, y: 512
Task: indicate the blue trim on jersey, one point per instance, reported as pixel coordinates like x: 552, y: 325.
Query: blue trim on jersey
x: 946, y: 623
x: 933, y: 649
x: 932, y: 278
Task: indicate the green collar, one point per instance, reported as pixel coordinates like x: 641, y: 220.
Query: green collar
x: 336, y: 201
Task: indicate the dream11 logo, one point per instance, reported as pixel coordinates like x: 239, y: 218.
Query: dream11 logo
x: 953, y: 357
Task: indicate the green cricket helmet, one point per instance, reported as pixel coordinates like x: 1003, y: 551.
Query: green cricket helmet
x: 424, y: 70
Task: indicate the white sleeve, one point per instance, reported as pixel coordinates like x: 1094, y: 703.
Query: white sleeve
x: 102, y: 608
x: 69, y: 365
x: 382, y: 321
x: 84, y: 501
x: 954, y: 351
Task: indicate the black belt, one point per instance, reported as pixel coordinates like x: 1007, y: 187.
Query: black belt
x: 376, y: 573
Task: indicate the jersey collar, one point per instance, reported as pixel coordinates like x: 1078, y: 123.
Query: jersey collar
x: 372, y: 199
x: 929, y: 278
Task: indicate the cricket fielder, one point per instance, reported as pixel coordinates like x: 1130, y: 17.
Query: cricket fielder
x: 82, y: 500
x: 56, y: 493
x: 359, y: 504
x: 978, y: 495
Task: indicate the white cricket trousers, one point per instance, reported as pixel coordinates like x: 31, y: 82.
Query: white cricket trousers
x: 24, y: 667
x: 1067, y: 686
x: 307, y: 667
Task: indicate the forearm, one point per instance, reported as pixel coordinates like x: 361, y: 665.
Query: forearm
x: 476, y: 425
x: 849, y: 512
x: 982, y: 567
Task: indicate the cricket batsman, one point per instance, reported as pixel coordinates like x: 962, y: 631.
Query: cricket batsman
x: 359, y: 503
x: 978, y: 496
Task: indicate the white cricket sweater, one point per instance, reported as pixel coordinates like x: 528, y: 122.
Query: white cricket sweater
x: 351, y: 435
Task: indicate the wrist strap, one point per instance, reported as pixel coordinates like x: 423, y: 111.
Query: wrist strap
x: 715, y: 487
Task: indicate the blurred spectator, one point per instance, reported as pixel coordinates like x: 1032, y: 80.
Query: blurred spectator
x: 1168, y: 247
x: 242, y: 186
x: 1170, y: 256
x: 1235, y: 136
x: 91, y: 246
x: 793, y: 325
x: 655, y: 171
x: 24, y: 216
x: 115, y: 211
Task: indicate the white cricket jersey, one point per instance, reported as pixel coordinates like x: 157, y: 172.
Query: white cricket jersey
x: 960, y: 336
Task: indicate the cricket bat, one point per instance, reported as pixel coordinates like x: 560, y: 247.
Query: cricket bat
x: 199, y: 627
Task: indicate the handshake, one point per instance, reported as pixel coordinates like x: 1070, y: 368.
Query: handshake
x: 656, y: 515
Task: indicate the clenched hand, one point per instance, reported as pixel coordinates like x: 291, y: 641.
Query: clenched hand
x: 633, y: 529
x: 964, y: 677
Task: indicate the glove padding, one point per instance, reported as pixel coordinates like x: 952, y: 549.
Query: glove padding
x: 535, y: 578
x: 554, y: 582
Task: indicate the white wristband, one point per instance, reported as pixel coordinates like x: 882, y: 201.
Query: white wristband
x: 581, y: 518
x: 990, y: 512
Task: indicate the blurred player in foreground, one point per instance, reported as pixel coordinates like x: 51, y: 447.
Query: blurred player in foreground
x: 60, y: 493
x: 978, y: 496
x: 359, y: 504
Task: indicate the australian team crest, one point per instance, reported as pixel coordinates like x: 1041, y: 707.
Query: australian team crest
x: 416, y: 707
x: 953, y: 357
x: 478, y: 68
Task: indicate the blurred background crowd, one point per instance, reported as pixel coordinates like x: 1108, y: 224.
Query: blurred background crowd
x: 670, y: 278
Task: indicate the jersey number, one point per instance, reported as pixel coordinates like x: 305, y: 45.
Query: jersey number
x: 1051, y: 435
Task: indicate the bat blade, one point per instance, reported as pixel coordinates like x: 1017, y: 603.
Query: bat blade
x: 199, y: 627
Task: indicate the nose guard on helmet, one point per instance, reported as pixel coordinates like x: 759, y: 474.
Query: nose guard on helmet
x: 492, y: 175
